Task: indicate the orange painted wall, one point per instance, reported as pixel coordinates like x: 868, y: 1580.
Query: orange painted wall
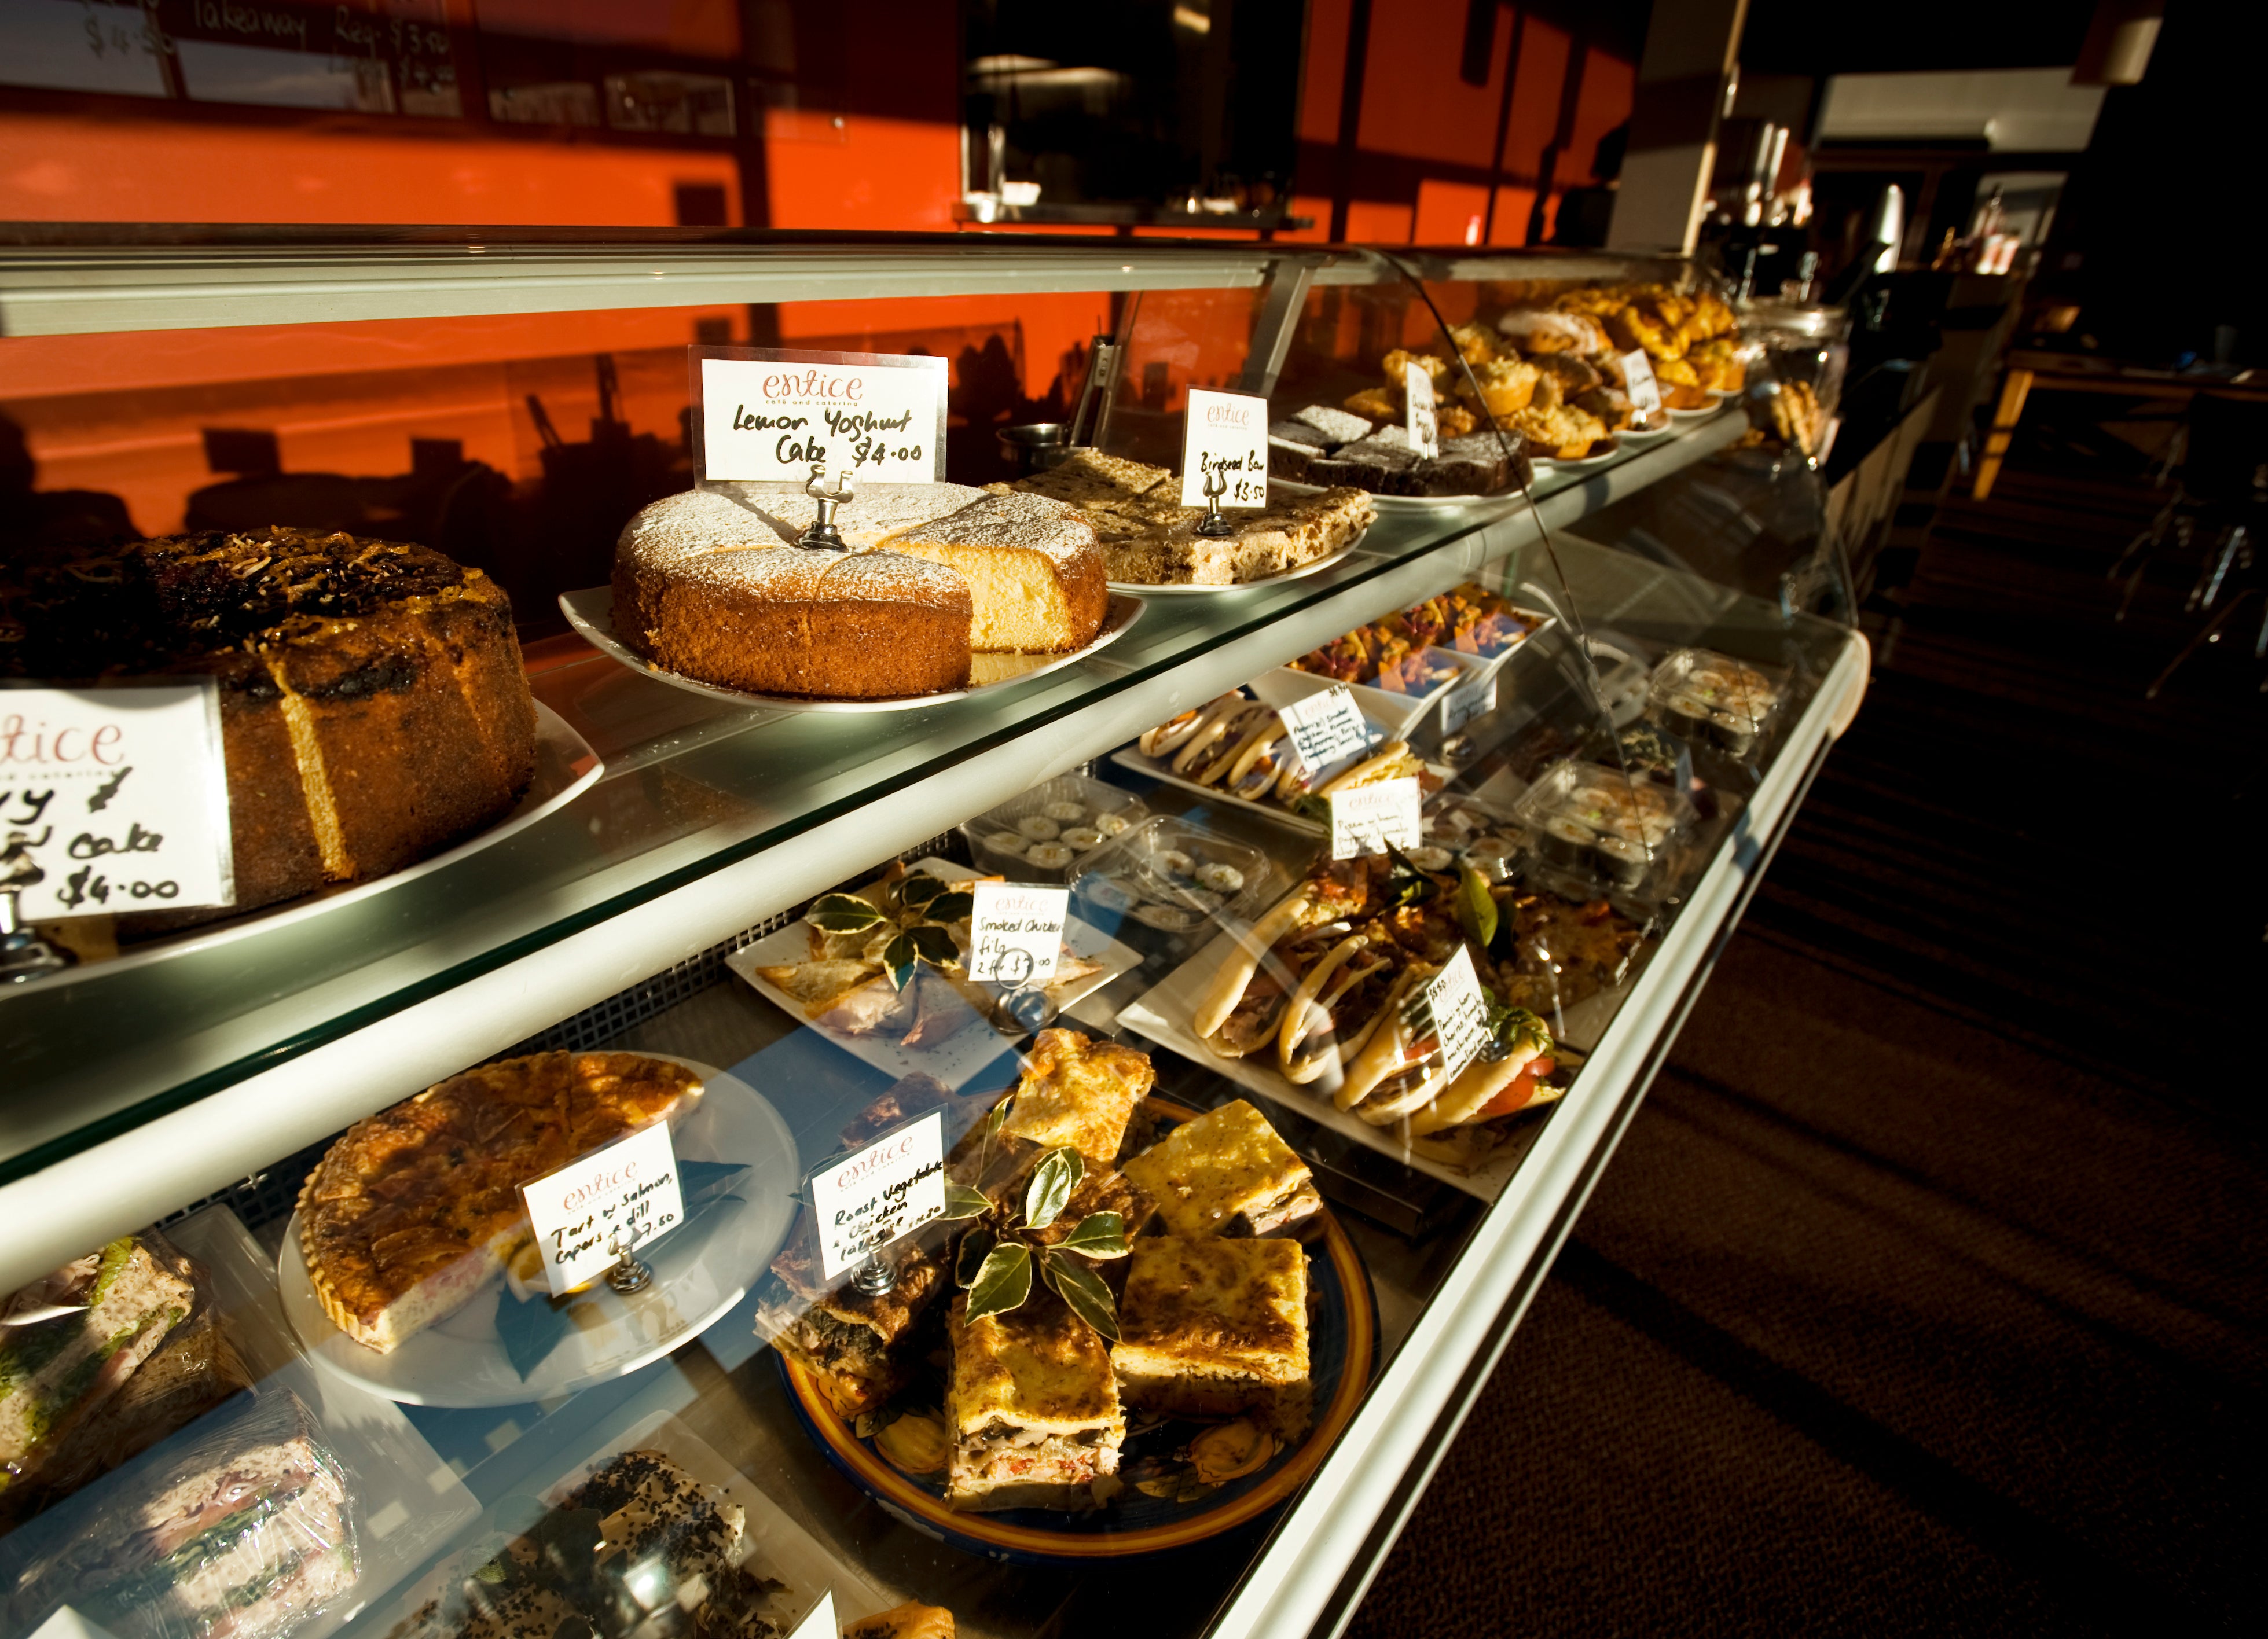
x: 871, y: 173
x: 1413, y: 101
x: 1417, y: 111
x: 75, y: 168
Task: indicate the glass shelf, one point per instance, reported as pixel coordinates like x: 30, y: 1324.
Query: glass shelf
x: 709, y: 819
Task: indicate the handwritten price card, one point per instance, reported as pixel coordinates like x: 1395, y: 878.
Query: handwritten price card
x: 1226, y: 434
x: 883, y: 1193
x: 768, y: 415
x: 1453, y: 1007
x: 1467, y: 701
x: 120, y: 795
x: 1015, y: 932
x: 1424, y: 422
x: 1367, y: 817
x: 1640, y: 386
x: 611, y: 1202
x: 1325, y: 727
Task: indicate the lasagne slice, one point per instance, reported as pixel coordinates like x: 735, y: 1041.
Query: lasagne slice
x: 1211, y: 1327
x: 1226, y: 1172
x: 1033, y: 1408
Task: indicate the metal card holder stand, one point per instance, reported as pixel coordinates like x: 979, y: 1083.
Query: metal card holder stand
x: 823, y: 536
x: 1215, y: 525
x: 24, y: 954
x: 628, y: 1275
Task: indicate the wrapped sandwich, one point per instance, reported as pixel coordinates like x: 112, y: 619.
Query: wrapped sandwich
x: 241, y: 1528
x: 100, y: 1360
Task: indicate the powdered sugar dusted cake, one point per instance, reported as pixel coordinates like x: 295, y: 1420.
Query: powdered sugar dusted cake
x: 707, y: 588
x: 709, y: 584
x: 1032, y: 564
x: 873, y: 510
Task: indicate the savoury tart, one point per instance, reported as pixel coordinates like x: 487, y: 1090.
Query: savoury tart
x: 415, y: 1209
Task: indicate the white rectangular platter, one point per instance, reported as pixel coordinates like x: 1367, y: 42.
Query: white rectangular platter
x: 1163, y: 1015
x: 958, y: 1057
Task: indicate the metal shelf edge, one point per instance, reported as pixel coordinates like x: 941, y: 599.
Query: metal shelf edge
x: 1320, y: 1540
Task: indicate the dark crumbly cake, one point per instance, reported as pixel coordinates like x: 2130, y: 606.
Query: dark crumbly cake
x: 373, y: 704
x: 640, y: 1547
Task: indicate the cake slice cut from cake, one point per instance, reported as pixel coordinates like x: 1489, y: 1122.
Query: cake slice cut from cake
x: 1212, y: 1327
x: 1035, y: 576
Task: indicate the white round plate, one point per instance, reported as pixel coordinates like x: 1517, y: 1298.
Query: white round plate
x: 1706, y: 410
x: 1552, y: 463
x: 1144, y: 588
x: 700, y: 1274
x: 592, y: 612
x: 565, y: 766
x: 1388, y: 505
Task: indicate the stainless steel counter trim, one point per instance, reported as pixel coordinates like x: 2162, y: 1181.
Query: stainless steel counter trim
x: 1291, y: 1585
x: 1411, y: 1487
x: 72, y: 292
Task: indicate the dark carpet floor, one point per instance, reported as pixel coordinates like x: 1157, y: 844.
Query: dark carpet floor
x: 1926, y: 1293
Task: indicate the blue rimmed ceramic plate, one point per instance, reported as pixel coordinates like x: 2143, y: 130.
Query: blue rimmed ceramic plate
x: 1150, y: 1515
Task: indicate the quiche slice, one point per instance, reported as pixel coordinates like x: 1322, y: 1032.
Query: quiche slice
x: 1080, y: 1093
x: 414, y: 1210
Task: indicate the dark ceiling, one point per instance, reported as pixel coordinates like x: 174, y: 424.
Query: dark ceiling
x: 1905, y: 36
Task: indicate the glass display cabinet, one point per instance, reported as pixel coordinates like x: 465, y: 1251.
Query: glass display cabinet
x: 793, y: 1212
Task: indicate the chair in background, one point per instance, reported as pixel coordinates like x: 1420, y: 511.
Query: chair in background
x: 2221, y: 497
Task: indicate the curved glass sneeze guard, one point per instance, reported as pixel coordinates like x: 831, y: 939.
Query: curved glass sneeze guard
x: 496, y: 473
x: 1236, y: 1081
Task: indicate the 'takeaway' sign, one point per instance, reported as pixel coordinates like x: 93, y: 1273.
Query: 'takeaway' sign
x: 768, y: 414
x: 119, y: 797
x: 882, y: 1194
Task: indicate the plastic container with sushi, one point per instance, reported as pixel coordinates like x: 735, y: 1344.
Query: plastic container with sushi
x: 1592, y: 823
x: 1458, y: 825
x: 1172, y: 875
x: 1047, y: 833
x: 1710, y: 699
